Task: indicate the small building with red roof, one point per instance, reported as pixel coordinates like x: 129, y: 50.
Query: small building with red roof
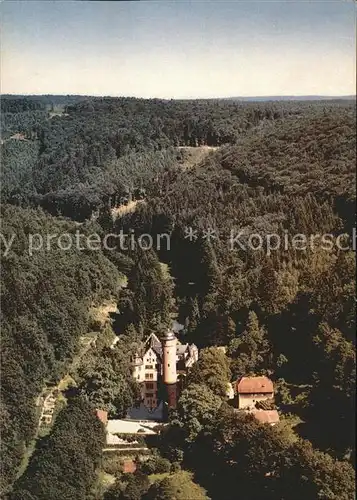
x: 129, y: 466
x: 252, y: 390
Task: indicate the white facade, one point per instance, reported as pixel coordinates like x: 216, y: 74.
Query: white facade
x: 147, y: 370
x: 148, y: 366
x: 248, y: 401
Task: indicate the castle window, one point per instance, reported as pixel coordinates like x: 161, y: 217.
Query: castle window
x: 149, y: 385
x: 149, y: 367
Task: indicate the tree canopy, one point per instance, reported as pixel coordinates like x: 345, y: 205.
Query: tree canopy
x: 113, y: 165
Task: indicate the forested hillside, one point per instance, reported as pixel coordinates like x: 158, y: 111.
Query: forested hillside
x: 271, y: 310
x: 85, y: 149
x: 45, y: 304
x: 282, y: 168
x: 66, y: 462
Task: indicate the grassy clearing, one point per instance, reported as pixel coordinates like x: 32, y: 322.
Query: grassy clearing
x: 101, y: 314
x: 126, y: 209
x: 103, y: 483
x: 26, y: 458
x: 165, y: 270
x: 106, y: 479
x: 194, y: 155
x: 158, y: 477
x: 66, y: 382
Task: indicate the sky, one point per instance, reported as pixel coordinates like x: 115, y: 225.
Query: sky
x: 178, y: 49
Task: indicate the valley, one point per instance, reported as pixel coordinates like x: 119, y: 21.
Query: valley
x: 77, y: 320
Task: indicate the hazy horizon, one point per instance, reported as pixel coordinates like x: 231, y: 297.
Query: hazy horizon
x: 178, y: 50
x: 296, y: 96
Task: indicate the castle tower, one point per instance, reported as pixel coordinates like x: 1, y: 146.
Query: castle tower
x: 169, y: 374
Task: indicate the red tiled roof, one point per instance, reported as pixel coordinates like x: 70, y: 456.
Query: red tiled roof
x: 266, y: 416
x: 255, y: 385
x: 102, y: 415
x: 129, y: 466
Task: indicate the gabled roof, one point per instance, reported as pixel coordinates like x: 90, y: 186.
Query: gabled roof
x: 255, y: 385
x: 181, y: 348
x: 153, y: 342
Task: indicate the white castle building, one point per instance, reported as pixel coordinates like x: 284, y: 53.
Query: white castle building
x: 160, y: 367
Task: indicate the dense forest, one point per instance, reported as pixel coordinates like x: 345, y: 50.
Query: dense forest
x: 45, y: 309
x: 111, y: 165
x: 86, y: 154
